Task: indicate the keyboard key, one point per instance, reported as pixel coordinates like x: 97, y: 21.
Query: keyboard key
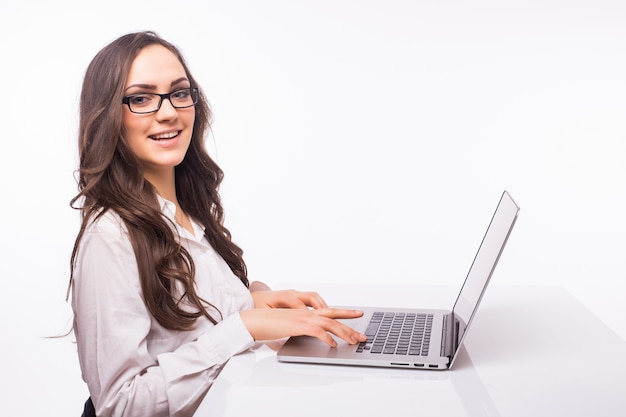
x: 397, y: 333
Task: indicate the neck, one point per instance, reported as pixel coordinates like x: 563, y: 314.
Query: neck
x: 165, y: 184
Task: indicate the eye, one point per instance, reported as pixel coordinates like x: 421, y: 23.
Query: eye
x: 140, y: 100
x: 181, y: 94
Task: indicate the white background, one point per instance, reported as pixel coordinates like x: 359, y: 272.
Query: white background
x: 362, y: 141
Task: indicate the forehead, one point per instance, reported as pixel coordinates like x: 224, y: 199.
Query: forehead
x: 155, y: 65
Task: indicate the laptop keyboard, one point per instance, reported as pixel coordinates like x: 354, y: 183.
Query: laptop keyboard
x: 398, y: 334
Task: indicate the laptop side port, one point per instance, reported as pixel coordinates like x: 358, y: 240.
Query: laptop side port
x: 418, y: 365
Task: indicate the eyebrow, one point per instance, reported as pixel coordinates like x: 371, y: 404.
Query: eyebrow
x: 153, y: 87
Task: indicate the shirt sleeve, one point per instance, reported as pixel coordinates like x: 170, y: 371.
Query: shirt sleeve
x: 112, y: 327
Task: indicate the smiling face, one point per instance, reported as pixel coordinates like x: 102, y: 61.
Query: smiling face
x: 159, y: 140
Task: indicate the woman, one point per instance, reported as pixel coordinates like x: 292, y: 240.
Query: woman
x: 159, y: 290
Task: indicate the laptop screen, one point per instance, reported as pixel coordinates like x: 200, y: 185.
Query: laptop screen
x: 484, y: 263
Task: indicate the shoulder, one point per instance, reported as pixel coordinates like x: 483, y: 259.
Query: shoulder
x: 106, y: 232
x: 107, y: 223
x: 105, y: 252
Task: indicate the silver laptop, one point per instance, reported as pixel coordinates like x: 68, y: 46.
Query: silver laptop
x: 415, y: 338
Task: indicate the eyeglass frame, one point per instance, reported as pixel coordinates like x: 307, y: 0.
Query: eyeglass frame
x: 192, y: 90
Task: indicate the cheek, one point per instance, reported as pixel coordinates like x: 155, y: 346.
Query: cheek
x: 134, y: 129
x: 133, y: 134
x: 129, y: 124
x: 191, y: 120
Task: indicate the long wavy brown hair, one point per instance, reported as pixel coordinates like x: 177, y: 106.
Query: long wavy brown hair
x: 109, y: 178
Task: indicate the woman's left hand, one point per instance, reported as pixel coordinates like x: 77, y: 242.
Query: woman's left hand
x: 287, y: 299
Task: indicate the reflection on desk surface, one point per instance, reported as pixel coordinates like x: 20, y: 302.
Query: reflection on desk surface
x: 318, y: 389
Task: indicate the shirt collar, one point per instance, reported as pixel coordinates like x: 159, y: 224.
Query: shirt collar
x: 169, y: 210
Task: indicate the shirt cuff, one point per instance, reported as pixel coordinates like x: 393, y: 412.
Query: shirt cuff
x: 215, y: 347
x: 228, y: 338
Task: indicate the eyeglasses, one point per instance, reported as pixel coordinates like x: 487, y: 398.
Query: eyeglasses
x: 144, y: 103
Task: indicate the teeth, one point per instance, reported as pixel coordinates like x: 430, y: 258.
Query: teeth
x: 165, y: 135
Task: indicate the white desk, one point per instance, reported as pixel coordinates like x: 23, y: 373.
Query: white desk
x: 531, y: 351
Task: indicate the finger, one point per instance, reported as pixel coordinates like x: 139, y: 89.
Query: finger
x: 321, y: 333
x: 292, y: 299
x: 313, y: 299
x: 299, y: 299
x: 339, y: 313
x: 279, y: 299
x: 343, y: 331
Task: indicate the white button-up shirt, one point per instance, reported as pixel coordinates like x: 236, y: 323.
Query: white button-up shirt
x: 132, y: 365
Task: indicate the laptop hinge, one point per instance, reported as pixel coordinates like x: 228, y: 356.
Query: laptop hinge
x: 449, y: 337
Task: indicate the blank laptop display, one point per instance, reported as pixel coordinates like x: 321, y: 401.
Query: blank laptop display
x: 416, y: 338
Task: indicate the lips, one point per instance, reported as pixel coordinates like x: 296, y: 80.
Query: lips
x: 165, y: 135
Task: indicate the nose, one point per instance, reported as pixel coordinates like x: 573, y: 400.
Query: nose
x: 167, y: 111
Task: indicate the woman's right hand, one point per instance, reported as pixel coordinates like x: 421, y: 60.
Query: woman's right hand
x: 277, y: 323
